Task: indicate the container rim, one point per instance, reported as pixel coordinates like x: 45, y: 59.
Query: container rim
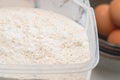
x: 109, y: 49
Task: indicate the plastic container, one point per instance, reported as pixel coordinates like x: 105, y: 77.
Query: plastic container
x: 81, y: 12
x: 110, y: 53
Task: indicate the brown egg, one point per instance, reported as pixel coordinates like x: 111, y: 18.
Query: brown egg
x: 112, y: 0
x: 114, y: 37
x: 115, y: 11
x: 104, y: 22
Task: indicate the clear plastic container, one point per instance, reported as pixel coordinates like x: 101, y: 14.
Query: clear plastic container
x: 81, y: 12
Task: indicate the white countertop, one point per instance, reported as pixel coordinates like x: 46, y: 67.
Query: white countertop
x: 101, y: 74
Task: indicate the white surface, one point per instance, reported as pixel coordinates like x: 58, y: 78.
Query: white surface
x: 101, y: 74
x: 107, y: 69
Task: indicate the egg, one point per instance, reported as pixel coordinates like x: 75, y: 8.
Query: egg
x: 114, y: 37
x: 115, y: 11
x: 104, y: 23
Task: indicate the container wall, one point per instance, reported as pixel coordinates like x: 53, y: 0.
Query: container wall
x: 69, y: 8
x: 64, y: 76
x: 16, y: 3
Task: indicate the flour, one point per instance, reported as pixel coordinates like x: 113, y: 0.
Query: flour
x: 32, y: 36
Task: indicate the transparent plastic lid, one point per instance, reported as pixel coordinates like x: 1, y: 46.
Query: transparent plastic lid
x: 81, y: 12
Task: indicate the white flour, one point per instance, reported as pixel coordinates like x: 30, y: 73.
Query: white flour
x: 31, y: 36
